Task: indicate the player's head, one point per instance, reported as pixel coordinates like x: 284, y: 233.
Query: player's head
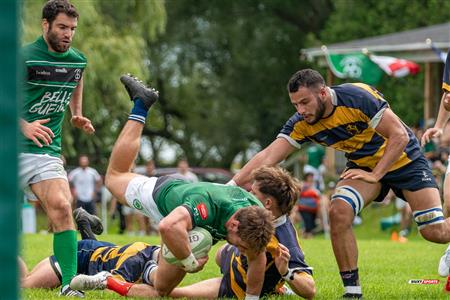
x: 307, y: 92
x: 250, y: 229
x: 275, y: 188
x: 59, y: 21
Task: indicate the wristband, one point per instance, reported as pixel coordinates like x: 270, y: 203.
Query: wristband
x: 189, y: 263
x: 251, y: 297
x: 289, y: 276
x: 231, y: 182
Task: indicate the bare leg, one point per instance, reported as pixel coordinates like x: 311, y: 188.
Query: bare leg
x: 166, y: 277
x: 56, y: 199
x: 122, y: 159
x: 446, y: 189
x: 424, y: 199
x: 42, y: 276
x: 206, y: 289
x: 142, y: 290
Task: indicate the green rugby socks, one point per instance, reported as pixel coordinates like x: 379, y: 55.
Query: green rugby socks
x: 65, y: 251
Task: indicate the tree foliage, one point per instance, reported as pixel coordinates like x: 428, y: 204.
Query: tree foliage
x: 361, y: 19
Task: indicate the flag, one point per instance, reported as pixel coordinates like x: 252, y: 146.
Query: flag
x: 395, y: 67
x: 355, y: 66
x: 441, y: 54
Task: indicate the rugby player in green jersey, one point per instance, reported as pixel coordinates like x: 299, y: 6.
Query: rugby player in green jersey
x: 227, y: 212
x: 53, y: 82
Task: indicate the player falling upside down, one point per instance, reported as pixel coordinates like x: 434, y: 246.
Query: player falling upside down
x: 227, y: 212
x: 285, y: 259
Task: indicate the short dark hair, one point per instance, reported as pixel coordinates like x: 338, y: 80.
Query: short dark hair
x: 279, y: 184
x: 305, y: 78
x: 53, y: 7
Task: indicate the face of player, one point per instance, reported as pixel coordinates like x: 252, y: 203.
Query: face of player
x: 310, y: 103
x: 60, y: 32
x: 258, y: 194
x: 234, y: 239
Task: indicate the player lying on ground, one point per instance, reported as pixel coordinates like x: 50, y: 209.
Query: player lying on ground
x: 285, y: 259
x: 126, y: 263
x: 227, y: 212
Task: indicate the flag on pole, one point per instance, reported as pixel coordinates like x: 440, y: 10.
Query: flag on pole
x: 356, y: 66
x: 441, y: 54
x: 395, y: 67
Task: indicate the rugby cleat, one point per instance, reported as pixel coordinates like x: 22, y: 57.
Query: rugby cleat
x: 138, y: 90
x: 94, y: 221
x: 444, y: 264
x: 67, y: 291
x: 90, y: 282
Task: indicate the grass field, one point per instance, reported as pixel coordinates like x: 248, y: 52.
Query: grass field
x: 385, y: 266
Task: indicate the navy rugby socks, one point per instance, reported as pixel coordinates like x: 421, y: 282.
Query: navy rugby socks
x: 138, y: 112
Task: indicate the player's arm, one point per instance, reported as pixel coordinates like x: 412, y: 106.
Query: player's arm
x: 273, y: 154
x: 174, y: 234
x: 301, y: 282
x: 255, y: 273
x: 76, y: 109
x: 442, y: 119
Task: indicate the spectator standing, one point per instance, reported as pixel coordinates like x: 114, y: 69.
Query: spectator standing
x: 183, y: 170
x: 86, y: 183
x: 308, y: 205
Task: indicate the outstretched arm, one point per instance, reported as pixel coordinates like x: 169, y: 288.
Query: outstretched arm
x: 442, y: 118
x: 273, y: 154
x: 76, y: 109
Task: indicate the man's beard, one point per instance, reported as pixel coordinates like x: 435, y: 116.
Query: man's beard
x: 319, y: 112
x: 56, y: 43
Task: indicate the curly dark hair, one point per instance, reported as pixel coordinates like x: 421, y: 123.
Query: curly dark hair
x: 279, y: 184
x: 53, y: 7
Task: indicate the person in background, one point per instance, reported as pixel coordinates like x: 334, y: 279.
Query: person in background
x: 315, y: 155
x: 308, y: 205
x: 86, y: 184
x: 183, y: 170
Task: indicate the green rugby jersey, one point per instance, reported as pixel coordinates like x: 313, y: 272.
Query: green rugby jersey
x: 211, y: 205
x: 50, y: 80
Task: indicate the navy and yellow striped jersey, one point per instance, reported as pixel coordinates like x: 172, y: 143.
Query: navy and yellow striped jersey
x: 350, y: 128
x: 446, y: 79
x: 234, y: 265
x: 124, y: 262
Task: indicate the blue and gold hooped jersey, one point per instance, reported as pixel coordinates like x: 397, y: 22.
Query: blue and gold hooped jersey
x: 124, y: 262
x: 446, y: 78
x: 358, y: 108
x: 234, y: 265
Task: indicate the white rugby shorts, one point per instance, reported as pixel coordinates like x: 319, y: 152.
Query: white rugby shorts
x: 139, y: 195
x: 34, y: 168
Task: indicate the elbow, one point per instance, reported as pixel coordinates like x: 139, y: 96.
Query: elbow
x: 164, y: 227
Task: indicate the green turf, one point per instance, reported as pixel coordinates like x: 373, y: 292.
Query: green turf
x: 385, y: 266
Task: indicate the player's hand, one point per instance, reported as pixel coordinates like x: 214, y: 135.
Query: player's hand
x: 201, y: 263
x: 360, y: 174
x: 82, y: 123
x: 282, y: 259
x: 430, y: 133
x: 37, y: 132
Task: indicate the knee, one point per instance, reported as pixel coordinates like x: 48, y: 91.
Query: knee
x: 163, y: 291
x: 59, y: 209
x: 341, y: 216
x: 436, y: 233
